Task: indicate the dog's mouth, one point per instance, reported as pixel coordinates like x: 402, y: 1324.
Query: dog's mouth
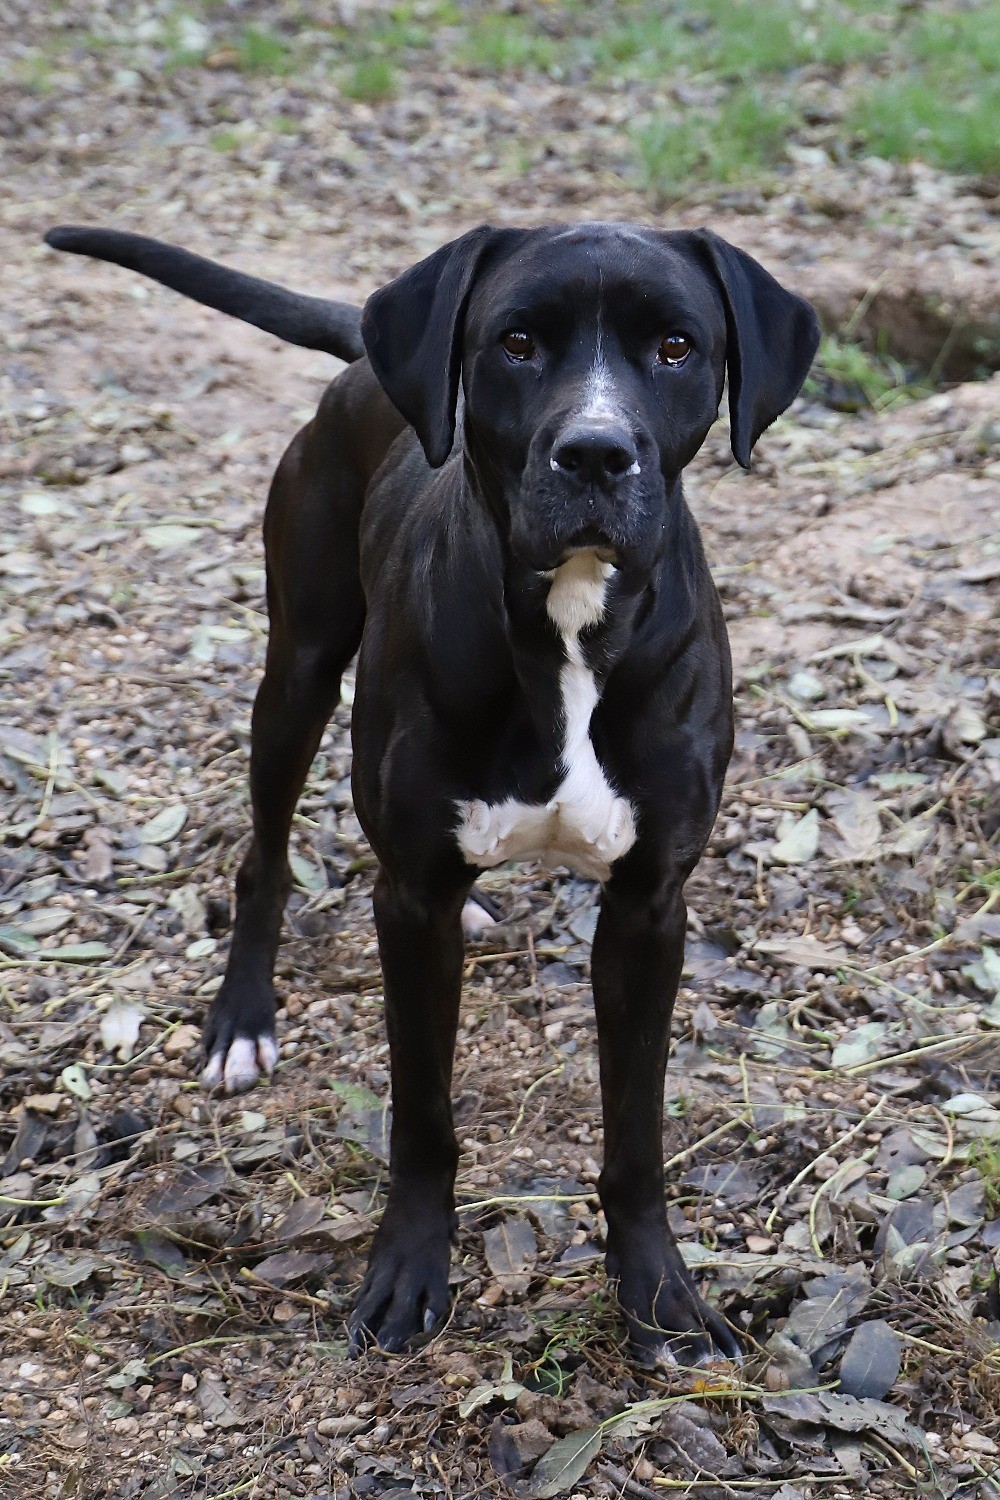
x: 591, y: 540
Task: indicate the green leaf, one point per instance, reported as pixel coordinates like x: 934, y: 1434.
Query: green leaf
x: 353, y: 1095
x: 482, y: 1395
x: 565, y: 1462
x: 839, y: 718
x: 309, y: 876
x: 167, y: 536
x: 16, y: 942
x: 859, y: 1046
x: 130, y: 1374
x: 800, y: 843
x: 871, y: 1361
x: 75, y: 1081
x: 165, y: 826
x: 965, y: 1104
x: 69, y: 1272
x: 161, y: 1251
x: 991, y: 967
x: 76, y: 953
x: 903, y: 1183
x: 511, y: 1247
x: 45, y: 920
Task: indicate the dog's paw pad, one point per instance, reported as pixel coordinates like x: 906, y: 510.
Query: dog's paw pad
x: 475, y: 919
x: 240, y: 1067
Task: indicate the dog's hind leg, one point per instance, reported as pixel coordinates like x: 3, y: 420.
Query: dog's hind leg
x: 316, y: 610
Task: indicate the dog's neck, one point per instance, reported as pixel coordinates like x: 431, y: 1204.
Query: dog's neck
x: 606, y: 609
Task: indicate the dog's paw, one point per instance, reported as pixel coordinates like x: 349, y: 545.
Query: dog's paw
x: 239, y: 1038
x: 241, y: 1065
x: 669, y: 1323
x: 711, y: 1343
x: 405, y: 1290
x: 476, y: 919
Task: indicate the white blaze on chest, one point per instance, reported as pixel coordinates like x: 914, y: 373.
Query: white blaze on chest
x: 585, y: 824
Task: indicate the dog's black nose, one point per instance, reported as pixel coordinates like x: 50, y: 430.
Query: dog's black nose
x: 595, y: 452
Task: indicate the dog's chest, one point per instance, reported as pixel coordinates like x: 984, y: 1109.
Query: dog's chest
x: 585, y: 824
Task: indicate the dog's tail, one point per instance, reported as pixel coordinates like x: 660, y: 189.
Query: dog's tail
x: 312, y: 322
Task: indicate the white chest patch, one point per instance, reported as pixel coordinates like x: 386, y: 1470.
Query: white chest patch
x: 585, y: 824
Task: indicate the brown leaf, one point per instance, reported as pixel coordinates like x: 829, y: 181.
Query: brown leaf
x: 215, y: 1404
x: 95, y: 861
x: 291, y: 1268
x: 303, y: 1215
x: 511, y: 1247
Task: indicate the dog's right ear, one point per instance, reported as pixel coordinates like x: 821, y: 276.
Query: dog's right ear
x: 413, y: 330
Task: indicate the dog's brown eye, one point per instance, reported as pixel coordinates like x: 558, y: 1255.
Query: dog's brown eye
x: 674, y: 349
x: 518, y: 344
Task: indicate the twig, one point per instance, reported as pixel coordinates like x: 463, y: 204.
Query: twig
x: 283, y: 1291
x: 713, y: 1135
x: 543, y: 1078
x: 853, y: 1069
x: 744, y: 1484
x: 851, y: 326
x: 879, y: 1444
x: 800, y: 1177
x: 239, y: 1338
x: 626, y: 1483
x: 500, y: 1198
x: 826, y: 1187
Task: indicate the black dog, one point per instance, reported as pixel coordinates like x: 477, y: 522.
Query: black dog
x: 543, y: 674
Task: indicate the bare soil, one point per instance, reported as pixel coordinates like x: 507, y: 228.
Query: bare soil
x: 175, y: 1269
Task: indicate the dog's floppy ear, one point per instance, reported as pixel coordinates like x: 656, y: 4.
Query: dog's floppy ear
x: 771, y: 337
x: 413, y: 331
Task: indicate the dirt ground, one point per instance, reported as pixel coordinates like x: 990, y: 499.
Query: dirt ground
x: 175, y: 1269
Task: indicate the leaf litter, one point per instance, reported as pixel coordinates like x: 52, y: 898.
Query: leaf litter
x: 175, y: 1271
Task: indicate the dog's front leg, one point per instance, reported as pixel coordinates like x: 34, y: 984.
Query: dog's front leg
x: 405, y: 1290
x: 637, y: 958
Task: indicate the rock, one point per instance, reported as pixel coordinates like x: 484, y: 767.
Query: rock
x: 181, y: 1041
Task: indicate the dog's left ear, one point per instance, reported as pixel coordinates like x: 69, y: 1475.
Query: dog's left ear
x: 413, y: 331
x: 771, y: 337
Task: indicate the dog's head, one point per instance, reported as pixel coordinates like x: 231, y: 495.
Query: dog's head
x: 592, y: 360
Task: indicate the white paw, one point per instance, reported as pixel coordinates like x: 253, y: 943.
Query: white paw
x: 241, y: 1066
x: 476, y: 921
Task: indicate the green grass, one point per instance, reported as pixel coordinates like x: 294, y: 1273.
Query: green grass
x: 376, y: 52
x: 746, y: 39
x: 509, y: 44
x: 985, y: 1157
x: 942, y: 105
x: 371, y: 80
x: 262, y: 52
x: 724, y: 84
x: 733, y: 39
x: 744, y: 135
x: 919, y: 85
x: 35, y: 72
x: 921, y: 116
x: 225, y: 140
x: 969, y: 38
x: 848, y: 378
